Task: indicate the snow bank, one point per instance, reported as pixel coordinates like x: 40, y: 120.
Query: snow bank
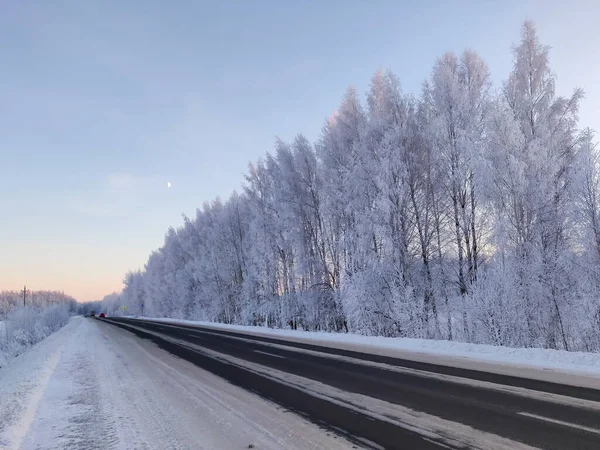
x: 527, y: 362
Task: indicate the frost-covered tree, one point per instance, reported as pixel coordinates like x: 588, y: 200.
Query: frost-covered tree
x: 462, y: 213
x: 533, y: 153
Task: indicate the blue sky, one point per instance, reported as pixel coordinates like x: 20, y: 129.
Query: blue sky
x: 102, y: 103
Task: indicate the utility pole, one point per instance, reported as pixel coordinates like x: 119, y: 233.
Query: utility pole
x: 24, y: 291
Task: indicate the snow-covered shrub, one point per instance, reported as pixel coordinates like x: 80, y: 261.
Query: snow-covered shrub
x: 377, y: 302
x: 320, y: 309
x: 22, y: 320
x: 26, y: 326
x: 22, y: 337
x: 495, y: 309
x: 53, y: 318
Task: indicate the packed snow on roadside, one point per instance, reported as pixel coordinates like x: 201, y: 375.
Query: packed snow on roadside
x: 92, y: 385
x: 444, y: 352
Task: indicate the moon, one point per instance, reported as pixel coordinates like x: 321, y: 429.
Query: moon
x: 168, y: 184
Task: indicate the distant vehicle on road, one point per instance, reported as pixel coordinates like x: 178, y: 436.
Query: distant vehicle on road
x: 102, y: 315
x: 93, y: 314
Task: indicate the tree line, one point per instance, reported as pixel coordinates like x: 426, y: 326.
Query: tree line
x: 468, y: 212
x: 36, y: 300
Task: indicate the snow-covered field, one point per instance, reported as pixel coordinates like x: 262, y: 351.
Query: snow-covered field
x: 577, y: 368
x: 94, y: 386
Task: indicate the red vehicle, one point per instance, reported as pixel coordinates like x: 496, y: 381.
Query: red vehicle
x: 102, y: 315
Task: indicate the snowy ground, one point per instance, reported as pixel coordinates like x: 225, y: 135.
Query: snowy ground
x: 576, y: 368
x: 94, y: 386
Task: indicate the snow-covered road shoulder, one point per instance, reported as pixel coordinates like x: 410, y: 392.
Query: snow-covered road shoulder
x: 22, y: 384
x: 94, y: 386
x: 573, y: 368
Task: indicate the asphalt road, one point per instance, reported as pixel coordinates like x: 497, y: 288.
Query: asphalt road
x: 382, y: 402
